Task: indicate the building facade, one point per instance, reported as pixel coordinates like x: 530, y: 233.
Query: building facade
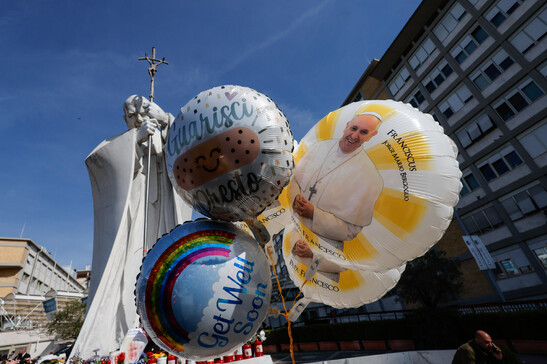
x: 479, y: 67
x: 28, y: 276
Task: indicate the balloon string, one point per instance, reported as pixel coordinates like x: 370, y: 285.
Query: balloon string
x: 298, y: 295
x: 286, y: 314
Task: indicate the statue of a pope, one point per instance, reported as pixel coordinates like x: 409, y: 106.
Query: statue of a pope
x: 117, y: 170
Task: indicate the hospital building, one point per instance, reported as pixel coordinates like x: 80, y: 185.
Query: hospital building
x: 479, y: 68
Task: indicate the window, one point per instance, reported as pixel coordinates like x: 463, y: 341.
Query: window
x: 512, y: 263
x: 469, y: 183
x: 479, y: 34
x: 474, y: 130
x: 490, y: 70
x: 468, y: 44
x: 531, y: 33
x: 421, y: 54
x: 541, y: 254
x: 455, y: 101
x: 501, y: 11
x: 416, y: 99
x: 517, y: 100
x: 535, y: 141
x: 482, y: 221
x: 543, y: 70
x: 509, y: 268
x: 437, y: 76
x: 500, y: 163
x: 399, y: 81
x: 525, y: 202
x: 449, y: 21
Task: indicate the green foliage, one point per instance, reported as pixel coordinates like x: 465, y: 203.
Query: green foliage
x: 364, y: 330
x: 277, y: 336
x: 428, y: 328
x: 524, y: 325
x: 66, y: 324
x: 430, y: 279
x: 436, y: 328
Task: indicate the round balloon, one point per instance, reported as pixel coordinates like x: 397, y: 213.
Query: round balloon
x: 331, y: 284
x: 374, y: 185
x: 204, y: 289
x: 228, y: 152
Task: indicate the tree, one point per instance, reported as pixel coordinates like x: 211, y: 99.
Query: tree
x: 66, y: 324
x: 427, y: 281
x: 430, y: 279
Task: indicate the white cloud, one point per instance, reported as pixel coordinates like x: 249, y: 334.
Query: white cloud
x: 276, y: 37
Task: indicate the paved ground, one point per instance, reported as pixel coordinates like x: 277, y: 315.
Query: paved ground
x: 313, y: 357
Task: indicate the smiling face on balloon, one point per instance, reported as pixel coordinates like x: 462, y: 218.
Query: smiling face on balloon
x: 229, y: 152
x: 216, y: 157
x: 211, y: 164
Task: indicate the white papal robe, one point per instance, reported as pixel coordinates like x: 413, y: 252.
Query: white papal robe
x: 117, y: 173
x: 346, y: 188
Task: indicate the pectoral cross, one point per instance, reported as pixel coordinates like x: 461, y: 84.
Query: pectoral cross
x: 312, y: 190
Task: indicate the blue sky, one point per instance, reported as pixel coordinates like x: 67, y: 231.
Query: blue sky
x: 69, y: 65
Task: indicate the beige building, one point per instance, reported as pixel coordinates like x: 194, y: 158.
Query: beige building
x: 479, y: 67
x: 28, y: 276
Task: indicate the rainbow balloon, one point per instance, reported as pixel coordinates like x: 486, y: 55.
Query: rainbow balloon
x: 199, y: 289
x: 168, y: 268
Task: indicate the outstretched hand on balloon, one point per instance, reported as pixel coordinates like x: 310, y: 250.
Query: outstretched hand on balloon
x: 303, y: 207
x: 302, y: 250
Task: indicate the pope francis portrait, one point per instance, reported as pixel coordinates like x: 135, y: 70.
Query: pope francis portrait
x: 336, y: 185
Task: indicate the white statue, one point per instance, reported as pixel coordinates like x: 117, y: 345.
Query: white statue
x: 117, y: 170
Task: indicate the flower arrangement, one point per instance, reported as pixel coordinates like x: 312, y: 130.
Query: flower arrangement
x: 261, y: 336
x: 120, y: 358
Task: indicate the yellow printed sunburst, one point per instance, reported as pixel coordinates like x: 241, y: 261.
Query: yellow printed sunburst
x: 374, y: 186
x: 331, y: 285
x: 387, y: 201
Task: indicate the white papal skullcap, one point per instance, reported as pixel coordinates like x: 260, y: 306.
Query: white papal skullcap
x: 371, y: 113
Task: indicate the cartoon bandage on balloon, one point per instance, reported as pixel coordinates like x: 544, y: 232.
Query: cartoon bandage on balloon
x: 216, y: 157
x: 229, y: 152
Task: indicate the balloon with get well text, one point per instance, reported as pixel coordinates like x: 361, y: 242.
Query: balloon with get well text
x: 229, y: 152
x: 374, y: 186
x: 204, y: 289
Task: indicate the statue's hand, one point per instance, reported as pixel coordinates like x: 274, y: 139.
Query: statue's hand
x: 155, y: 112
x: 147, y: 128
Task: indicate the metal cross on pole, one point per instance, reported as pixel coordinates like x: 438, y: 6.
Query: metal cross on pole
x: 152, y: 69
x: 154, y: 63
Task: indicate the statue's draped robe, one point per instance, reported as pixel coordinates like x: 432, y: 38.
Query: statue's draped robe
x: 117, y: 173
